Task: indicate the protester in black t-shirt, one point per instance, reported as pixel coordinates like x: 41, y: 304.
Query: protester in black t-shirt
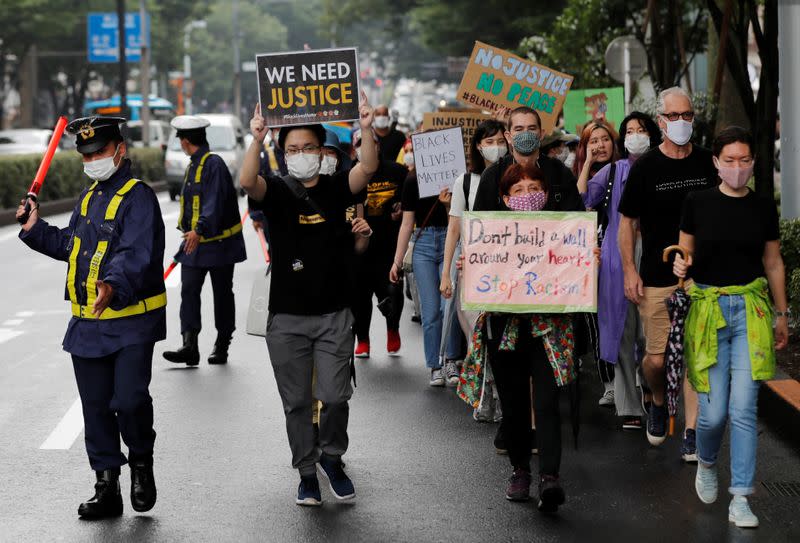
x: 430, y: 217
x: 391, y: 140
x: 653, y: 197
x: 382, y: 210
x: 733, y: 237
x: 309, y: 327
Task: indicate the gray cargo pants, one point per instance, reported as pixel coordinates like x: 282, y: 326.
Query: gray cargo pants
x: 297, y: 345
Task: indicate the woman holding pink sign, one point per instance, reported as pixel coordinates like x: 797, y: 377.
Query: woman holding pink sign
x: 521, y: 347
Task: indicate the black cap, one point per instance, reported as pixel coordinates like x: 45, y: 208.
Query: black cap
x: 93, y: 133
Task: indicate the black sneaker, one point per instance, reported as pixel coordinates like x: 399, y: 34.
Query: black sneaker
x: 657, y: 425
x: 519, y: 486
x: 341, y: 485
x: 689, y: 447
x: 551, y: 495
x: 308, y: 491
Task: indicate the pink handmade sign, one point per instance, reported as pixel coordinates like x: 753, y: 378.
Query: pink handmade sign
x: 529, y: 262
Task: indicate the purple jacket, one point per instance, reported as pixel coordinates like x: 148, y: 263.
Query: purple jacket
x: 612, y: 305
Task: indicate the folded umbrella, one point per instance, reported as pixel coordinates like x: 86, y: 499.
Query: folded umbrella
x: 678, y: 308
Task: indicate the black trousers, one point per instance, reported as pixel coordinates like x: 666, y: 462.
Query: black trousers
x: 513, y: 371
x: 192, y: 279
x: 115, y: 397
x: 372, y: 277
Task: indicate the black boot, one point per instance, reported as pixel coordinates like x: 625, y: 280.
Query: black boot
x: 220, y: 353
x: 143, y: 486
x: 107, y: 499
x: 188, y: 354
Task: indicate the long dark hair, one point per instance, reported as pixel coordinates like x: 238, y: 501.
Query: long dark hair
x: 647, y: 122
x: 486, y: 129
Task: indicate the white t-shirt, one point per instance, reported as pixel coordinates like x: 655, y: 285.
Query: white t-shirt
x: 457, y: 204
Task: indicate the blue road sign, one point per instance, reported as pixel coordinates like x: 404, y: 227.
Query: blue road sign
x: 102, y: 37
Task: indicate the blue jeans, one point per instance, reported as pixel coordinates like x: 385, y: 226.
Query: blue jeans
x: 454, y: 345
x: 732, y: 395
x: 427, y: 262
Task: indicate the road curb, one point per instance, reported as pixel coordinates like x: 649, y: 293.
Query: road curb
x: 7, y: 216
x: 779, y: 405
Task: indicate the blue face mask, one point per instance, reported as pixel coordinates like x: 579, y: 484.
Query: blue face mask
x: 526, y: 143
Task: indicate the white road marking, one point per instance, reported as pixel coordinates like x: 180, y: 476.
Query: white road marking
x: 6, y: 334
x: 9, y: 235
x: 67, y: 430
x: 174, y: 279
x: 13, y: 322
x: 42, y: 312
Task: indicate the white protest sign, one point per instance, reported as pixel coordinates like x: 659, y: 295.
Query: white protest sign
x: 439, y: 160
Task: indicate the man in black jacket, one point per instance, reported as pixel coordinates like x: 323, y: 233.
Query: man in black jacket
x: 524, y: 136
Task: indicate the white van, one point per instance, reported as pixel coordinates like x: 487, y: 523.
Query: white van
x: 159, y: 133
x: 225, y: 138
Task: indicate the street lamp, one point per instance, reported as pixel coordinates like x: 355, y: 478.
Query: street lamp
x: 187, y: 61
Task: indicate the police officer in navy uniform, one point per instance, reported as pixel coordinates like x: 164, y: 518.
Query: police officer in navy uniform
x: 114, y: 247
x: 212, y: 242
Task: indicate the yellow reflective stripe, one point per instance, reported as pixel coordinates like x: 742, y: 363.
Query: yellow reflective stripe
x: 116, y: 200
x: 195, y: 210
x: 225, y: 233
x: 149, y: 304
x: 85, y: 201
x: 196, y: 197
x: 94, y: 271
x: 180, y: 210
x: 73, y: 258
x: 200, y: 167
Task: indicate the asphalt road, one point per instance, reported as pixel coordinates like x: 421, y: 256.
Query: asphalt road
x: 423, y: 469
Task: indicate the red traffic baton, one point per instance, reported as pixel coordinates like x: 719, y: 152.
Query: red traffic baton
x: 41, y: 173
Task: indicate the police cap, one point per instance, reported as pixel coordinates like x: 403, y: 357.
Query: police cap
x: 93, y: 133
x: 187, y: 125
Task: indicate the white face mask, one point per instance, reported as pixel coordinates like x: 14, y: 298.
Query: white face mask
x: 637, y: 144
x: 303, y: 166
x: 570, y: 160
x: 102, y: 168
x: 328, y: 166
x: 493, y: 153
x: 381, y: 121
x: 408, y: 159
x: 563, y: 155
x: 679, y: 132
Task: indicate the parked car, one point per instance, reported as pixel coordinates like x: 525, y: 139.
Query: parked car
x: 159, y: 133
x: 24, y: 140
x: 225, y: 138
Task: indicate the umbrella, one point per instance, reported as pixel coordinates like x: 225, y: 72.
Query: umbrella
x: 678, y: 307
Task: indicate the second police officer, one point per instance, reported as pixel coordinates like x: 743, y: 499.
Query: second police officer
x: 212, y: 242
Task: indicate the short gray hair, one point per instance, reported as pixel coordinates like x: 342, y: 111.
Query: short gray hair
x: 672, y: 91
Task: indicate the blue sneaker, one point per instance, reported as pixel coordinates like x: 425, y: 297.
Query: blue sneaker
x: 340, y: 483
x: 689, y: 447
x: 657, y: 425
x: 308, y: 491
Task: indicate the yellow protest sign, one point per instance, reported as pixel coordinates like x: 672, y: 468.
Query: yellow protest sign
x: 497, y: 78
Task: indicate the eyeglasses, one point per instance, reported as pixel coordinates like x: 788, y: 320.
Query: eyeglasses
x: 310, y: 149
x: 686, y: 116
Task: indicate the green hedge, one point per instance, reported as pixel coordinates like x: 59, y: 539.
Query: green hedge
x: 790, y: 249
x: 65, y: 179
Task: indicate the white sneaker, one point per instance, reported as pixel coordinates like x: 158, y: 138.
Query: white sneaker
x: 451, y: 372
x: 705, y: 483
x: 607, y: 399
x: 740, y: 514
x: 437, y: 378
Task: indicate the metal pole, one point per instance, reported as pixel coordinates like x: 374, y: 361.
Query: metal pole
x: 123, y: 75
x: 626, y: 63
x: 237, y: 63
x: 144, y: 68
x: 187, y: 71
x: 789, y: 87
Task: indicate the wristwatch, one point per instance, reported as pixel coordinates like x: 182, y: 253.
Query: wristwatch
x: 787, y: 313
